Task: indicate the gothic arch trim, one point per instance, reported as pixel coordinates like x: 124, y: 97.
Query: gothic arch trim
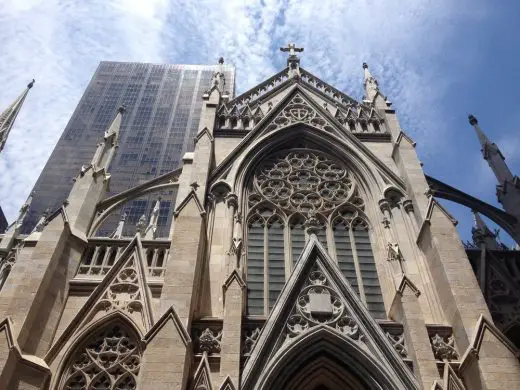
x: 323, y: 142
x: 318, y: 342
x: 86, y: 319
x: 68, y: 348
x: 347, y: 206
x: 253, y: 145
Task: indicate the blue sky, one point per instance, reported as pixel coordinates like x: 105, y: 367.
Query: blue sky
x: 435, y: 60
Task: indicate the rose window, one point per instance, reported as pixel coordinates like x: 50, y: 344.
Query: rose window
x: 303, y: 181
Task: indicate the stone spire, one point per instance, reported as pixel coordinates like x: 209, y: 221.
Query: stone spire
x: 118, y: 233
x: 508, y: 188
x: 492, y: 154
x: 482, y: 234
x: 218, y: 80
x: 106, y: 149
x: 8, y: 117
x: 373, y: 95
x: 151, y: 230
x: 93, y: 180
x: 370, y: 84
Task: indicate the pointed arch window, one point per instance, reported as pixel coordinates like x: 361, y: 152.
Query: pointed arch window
x: 110, y: 360
x: 289, y: 192
x: 266, y: 261
x: 297, y: 228
x: 356, y: 260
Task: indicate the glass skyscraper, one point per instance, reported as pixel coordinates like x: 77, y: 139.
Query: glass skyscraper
x: 163, y: 104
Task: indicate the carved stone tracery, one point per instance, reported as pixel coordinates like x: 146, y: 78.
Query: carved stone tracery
x: 397, y: 341
x: 208, y: 340
x: 444, y: 347
x: 250, y: 338
x: 305, y: 182
x: 124, y: 292
x: 502, y: 298
x: 319, y: 304
x: 110, y: 360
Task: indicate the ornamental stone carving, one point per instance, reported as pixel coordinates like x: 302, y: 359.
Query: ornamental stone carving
x: 304, y: 181
x: 397, y: 341
x: 110, y: 360
x: 444, y: 347
x: 251, y: 336
x: 124, y: 292
x: 208, y: 341
x: 319, y: 304
x: 299, y: 111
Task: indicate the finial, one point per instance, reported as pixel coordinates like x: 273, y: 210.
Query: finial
x: 30, y: 85
x: 122, y: 108
x: 221, y: 60
x: 472, y: 120
x: 365, y: 66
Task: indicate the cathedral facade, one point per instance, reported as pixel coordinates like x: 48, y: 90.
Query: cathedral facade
x: 307, y: 251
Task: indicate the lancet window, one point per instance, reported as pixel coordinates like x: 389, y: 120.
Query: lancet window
x: 290, y: 193
x: 110, y: 361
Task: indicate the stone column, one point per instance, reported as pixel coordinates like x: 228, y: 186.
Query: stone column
x: 392, y: 247
x: 167, y: 357
x: 429, y: 296
x: 234, y: 289
x: 407, y: 310
x: 233, y: 236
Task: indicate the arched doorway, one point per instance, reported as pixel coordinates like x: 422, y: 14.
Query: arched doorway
x: 324, y: 359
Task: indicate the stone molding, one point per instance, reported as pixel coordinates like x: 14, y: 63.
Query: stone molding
x: 227, y: 384
x: 192, y: 196
x: 432, y: 203
x: 169, y: 315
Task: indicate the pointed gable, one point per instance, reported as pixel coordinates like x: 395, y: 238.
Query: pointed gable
x: 123, y: 291
x: 297, y: 109
x: 227, y: 384
x: 316, y: 299
x: 202, y: 377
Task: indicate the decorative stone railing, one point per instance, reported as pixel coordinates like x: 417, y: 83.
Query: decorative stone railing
x: 102, y: 253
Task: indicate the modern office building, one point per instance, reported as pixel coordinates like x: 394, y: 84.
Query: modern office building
x: 163, y: 106
x: 3, y: 221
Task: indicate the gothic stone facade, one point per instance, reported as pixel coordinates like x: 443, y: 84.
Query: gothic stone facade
x: 305, y: 253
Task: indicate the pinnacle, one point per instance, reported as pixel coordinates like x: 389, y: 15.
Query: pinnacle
x: 472, y: 120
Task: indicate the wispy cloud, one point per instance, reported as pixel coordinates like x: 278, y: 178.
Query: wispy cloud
x: 61, y: 42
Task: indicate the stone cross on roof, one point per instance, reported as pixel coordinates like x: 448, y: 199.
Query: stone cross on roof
x: 292, y: 49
